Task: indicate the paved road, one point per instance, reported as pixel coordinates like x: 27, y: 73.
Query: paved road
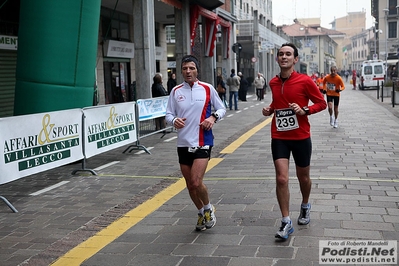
x: 136, y: 211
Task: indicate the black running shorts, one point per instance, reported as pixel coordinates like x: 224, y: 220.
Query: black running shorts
x: 301, y: 150
x: 188, y: 155
x: 334, y: 99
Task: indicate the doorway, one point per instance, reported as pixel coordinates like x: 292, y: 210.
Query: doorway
x: 117, y: 82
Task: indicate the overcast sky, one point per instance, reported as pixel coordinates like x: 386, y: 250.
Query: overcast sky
x: 284, y: 11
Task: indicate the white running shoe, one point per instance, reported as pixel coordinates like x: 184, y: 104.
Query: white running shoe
x: 209, y: 218
x: 200, y: 223
x: 331, y: 120
x: 285, y: 230
x: 304, y: 215
x: 335, y: 123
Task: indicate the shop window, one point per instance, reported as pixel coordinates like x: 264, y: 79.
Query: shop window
x: 392, y: 7
x: 115, y: 25
x: 392, y: 29
x: 170, y: 34
x: 9, y: 17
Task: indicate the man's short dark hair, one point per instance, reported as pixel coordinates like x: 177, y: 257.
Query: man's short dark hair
x: 296, y: 54
x: 190, y: 58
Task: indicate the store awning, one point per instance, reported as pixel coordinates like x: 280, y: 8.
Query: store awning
x: 209, y: 4
x: 174, y: 3
x: 392, y: 62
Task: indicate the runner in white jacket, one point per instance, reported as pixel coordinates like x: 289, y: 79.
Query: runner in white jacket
x: 193, y: 108
x: 194, y: 103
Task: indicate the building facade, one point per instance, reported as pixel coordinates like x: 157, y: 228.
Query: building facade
x: 386, y: 15
x: 132, y: 46
x: 317, y: 48
x: 259, y: 38
x: 353, y: 24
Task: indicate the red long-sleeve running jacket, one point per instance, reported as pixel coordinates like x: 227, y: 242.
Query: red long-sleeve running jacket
x: 300, y: 89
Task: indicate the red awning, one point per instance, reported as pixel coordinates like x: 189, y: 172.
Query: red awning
x: 194, y: 15
x: 174, y: 3
x: 212, y: 20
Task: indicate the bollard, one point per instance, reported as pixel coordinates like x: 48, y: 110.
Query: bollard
x: 378, y: 89
x: 382, y: 91
x: 393, y: 94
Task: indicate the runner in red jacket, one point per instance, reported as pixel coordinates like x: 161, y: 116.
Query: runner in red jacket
x: 292, y: 93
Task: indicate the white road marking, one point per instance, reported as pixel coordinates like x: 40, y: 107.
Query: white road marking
x: 49, y: 188
x: 105, y: 165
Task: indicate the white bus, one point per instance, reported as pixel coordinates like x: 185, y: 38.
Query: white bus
x: 372, y: 74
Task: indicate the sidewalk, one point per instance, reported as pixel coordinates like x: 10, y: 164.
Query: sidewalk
x: 386, y: 102
x: 355, y: 195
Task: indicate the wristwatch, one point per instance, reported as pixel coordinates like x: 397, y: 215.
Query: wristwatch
x: 215, y: 115
x: 306, y: 109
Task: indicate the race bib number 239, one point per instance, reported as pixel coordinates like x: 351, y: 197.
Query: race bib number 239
x: 286, y: 119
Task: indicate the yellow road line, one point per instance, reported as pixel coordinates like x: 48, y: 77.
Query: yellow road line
x: 94, y: 244
x: 238, y: 142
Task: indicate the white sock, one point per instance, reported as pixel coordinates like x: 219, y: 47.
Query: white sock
x: 286, y: 219
x: 201, y: 211
x: 208, y: 206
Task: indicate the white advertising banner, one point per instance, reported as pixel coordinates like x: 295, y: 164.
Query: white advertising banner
x: 8, y: 42
x: 152, y: 107
x: 108, y: 126
x: 39, y: 142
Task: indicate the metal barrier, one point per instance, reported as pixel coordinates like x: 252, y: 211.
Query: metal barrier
x: 146, y: 128
x: 8, y: 204
x: 98, y: 129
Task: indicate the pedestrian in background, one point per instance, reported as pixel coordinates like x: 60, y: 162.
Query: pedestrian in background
x: 242, y: 92
x: 158, y: 90
x: 259, y: 83
x: 290, y: 130
x: 393, y: 73
x: 234, y: 84
x: 332, y: 86
x: 264, y: 92
x: 221, y: 88
x: 171, y: 82
x: 354, y: 75
x: 319, y: 82
x: 189, y: 110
